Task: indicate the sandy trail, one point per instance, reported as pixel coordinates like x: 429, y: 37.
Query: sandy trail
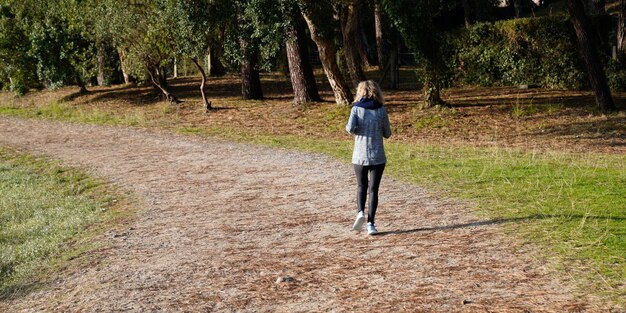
x: 225, y: 220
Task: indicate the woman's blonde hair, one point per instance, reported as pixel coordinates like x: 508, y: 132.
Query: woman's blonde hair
x: 369, y: 89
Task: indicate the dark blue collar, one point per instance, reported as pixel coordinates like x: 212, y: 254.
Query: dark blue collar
x: 368, y: 103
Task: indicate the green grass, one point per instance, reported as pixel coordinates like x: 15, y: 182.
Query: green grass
x: 571, y: 206
x: 66, y: 112
x: 48, y: 213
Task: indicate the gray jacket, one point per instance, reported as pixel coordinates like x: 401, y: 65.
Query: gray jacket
x: 368, y: 126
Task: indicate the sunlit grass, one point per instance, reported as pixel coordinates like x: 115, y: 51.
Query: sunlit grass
x: 45, y: 209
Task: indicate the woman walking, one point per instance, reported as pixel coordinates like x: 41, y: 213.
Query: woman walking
x: 368, y: 123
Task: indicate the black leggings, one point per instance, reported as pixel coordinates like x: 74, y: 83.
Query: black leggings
x: 375, y: 175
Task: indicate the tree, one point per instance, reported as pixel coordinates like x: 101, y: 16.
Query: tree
x: 597, y: 77
x: 149, y: 41
x: 18, y: 72
x: 518, y: 5
x: 349, y: 23
x: 277, y: 24
x: 414, y: 19
x: 252, y: 40
x: 362, y: 44
x: 300, y: 69
x: 467, y: 12
x: 57, y: 45
x: 110, y: 20
x: 64, y: 53
x: 192, y: 32
x: 246, y: 32
x: 94, y: 19
x: 317, y: 15
x: 216, y: 52
x: 380, y: 42
x: 621, y: 28
x: 250, y: 78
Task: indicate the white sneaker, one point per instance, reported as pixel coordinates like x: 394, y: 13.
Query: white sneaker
x: 371, y: 229
x: 360, y: 219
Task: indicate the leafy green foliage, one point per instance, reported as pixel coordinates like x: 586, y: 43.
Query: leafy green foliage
x: 540, y: 51
x: 414, y: 19
x: 150, y: 42
x: 18, y: 67
x: 260, y: 24
x: 192, y: 26
x: 61, y: 53
x: 616, y: 73
x: 44, y: 42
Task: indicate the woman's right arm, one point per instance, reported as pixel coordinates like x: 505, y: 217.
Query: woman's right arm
x: 386, y: 125
x: 352, y: 122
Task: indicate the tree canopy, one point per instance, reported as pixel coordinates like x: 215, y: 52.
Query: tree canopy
x: 85, y: 42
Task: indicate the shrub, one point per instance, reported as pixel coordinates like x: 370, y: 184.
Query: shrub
x: 616, y: 74
x: 540, y: 51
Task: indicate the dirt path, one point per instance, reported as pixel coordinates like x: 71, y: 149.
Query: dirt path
x: 224, y: 221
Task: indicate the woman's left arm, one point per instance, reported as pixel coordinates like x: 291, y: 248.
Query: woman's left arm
x: 352, y: 122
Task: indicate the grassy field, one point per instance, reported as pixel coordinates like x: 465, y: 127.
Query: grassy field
x: 571, y: 206
x: 48, y: 215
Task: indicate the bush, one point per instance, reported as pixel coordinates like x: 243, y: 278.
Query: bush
x: 540, y: 51
x: 616, y: 74
x: 20, y: 80
x: 18, y: 87
x: 341, y: 63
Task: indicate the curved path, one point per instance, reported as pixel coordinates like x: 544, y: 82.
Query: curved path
x: 224, y: 222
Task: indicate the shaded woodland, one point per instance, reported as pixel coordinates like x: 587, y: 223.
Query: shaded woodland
x: 573, y: 44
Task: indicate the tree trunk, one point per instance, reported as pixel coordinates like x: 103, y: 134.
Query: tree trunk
x: 391, y: 70
x: 175, y: 69
x: 349, y: 32
x: 518, y: 5
x: 122, y: 54
x: 394, y: 66
x: 205, y: 102
x: 161, y: 85
x: 162, y: 76
x: 380, y: 43
x: 208, y: 62
x: 214, y: 58
x: 217, y: 68
x: 467, y: 13
x: 100, y: 58
x: 81, y: 84
x: 300, y: 70
x: 621, y: 28
x: 432, y: 89
x: 362, y: 45
x: 328, y: 56
x: 595, y: 70
x: 250, y: 79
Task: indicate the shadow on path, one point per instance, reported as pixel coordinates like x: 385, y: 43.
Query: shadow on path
x: 498, y: 221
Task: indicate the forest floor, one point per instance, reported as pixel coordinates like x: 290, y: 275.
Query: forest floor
x: 238, y: 227
x: 529, y: 119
